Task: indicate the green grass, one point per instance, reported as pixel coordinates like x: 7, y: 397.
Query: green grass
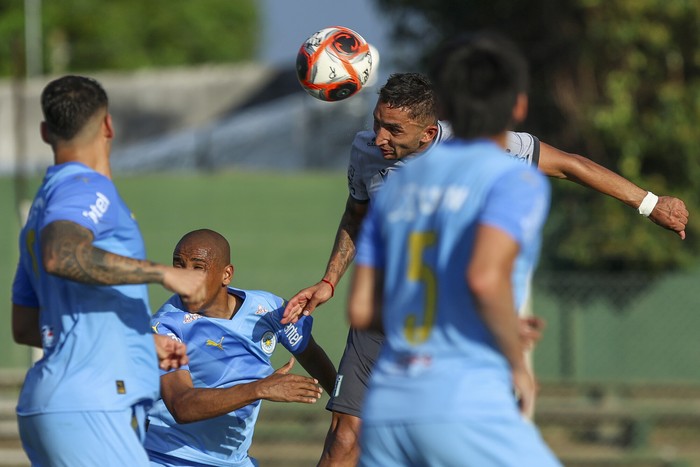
x: 281, y: 228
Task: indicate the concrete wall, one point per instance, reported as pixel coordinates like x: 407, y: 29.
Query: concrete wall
x: 144, y: 105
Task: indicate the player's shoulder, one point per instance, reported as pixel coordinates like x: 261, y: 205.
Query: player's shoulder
x: 78, y: 179
x: 519, y: 143
x: 170, y: 309
x: 364, y: 145
x: 364, y: 138
x: 261, y: 300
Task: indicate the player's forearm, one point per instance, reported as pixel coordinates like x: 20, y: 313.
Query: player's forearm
x: 605, y: 181
x: 344, y: 246
x: 315, y: 360
x: 579, y: 169
x: 198, y: 404
x: 25, y: 325
x: 68, y: 252
x: 342, y: 255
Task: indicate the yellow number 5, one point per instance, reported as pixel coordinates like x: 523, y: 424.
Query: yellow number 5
x: 419, y: 271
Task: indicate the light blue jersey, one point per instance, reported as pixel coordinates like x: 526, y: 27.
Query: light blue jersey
x: 222, y: 353
x: 439, y: 362
x: 98, y: 349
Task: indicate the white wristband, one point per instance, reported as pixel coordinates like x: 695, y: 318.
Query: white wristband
x: 648, y: 203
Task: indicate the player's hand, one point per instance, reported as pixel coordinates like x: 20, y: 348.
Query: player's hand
x: 530, y: 329
x: 525, y: 390
x: 187, y: 283
x: 281, y: 386
x: 670, y: 213
x: 305, y: 302
x: 172, y: 354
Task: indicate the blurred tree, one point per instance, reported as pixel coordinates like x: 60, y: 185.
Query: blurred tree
x: 615, y: 80
x: 86, y: 35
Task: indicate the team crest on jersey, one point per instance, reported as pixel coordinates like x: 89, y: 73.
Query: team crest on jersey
x: 268, y: 342
x: 47, y: 336
x: 261, y: 310
x: 190, y: 317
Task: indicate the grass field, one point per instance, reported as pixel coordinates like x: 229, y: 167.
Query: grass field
x: 280, y: 225
x: 281, y: 228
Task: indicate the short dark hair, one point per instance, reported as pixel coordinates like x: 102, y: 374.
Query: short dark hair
x: 69, y: 102
x: 477, y: 79
x: 412, y: 92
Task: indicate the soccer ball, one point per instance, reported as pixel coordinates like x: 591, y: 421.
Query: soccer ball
x: 334, y: 63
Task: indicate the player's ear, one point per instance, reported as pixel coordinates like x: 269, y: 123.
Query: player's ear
x: 429, y: 134
x: 520, y: 108
x: 228, y: 275
x: 107, y: 125
x: 45, y: 135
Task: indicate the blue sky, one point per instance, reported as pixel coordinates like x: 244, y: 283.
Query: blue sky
x: 288, y: 23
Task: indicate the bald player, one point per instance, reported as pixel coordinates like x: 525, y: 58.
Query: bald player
x: 208, y: 408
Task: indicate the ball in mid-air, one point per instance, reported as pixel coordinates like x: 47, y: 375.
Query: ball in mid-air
x: 334, y: 63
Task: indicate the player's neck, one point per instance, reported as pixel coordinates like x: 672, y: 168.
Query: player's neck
x: 234, y: 304
x: 94, y: 156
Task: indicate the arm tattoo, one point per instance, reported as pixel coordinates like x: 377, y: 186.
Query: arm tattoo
x: 67, y: 251
x: 344, y: 247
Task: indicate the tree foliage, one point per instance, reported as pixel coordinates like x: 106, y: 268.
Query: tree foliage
x: 615, y: 80
x: 84, y: 35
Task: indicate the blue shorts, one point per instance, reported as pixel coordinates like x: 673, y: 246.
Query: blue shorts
x: 76, y: 439
x: 497, y: 442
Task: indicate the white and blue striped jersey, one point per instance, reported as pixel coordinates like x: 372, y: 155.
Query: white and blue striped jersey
x: 222, y: 353
x: 98, y: 348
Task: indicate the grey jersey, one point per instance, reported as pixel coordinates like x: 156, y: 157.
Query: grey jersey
x: 368, y: 169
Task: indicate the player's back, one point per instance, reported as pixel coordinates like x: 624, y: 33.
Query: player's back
x: 429, y: 213
x: 98, y: 352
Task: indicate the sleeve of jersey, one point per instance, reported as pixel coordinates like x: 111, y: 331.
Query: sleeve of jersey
x: 85, y: 199
x: 22, y: 290
x: 370, y: 249
x: 518, y: 204
x: 293, y: 336
x: 356, y: 186
x: 165, y: 326
x: 524, y: 147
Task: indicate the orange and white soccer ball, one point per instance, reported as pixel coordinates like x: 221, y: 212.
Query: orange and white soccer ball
x: 334, y: 63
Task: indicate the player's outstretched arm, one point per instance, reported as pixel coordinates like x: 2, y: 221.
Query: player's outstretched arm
x: 67, y: 251
x: 306, y: 300
x: 669, y: 212
x: 25, y: 325
x: 188, y: 404
x: 315, y: 360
